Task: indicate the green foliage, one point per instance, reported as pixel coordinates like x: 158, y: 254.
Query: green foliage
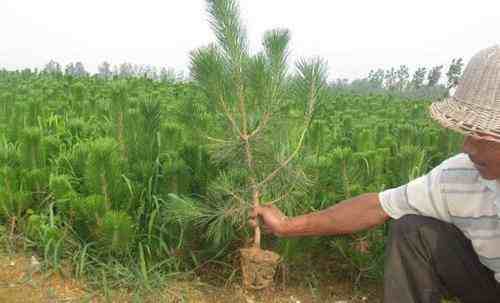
x: 88, y: 216
x: 47, y: 236
x: 363, y: 255
x: 31, y: 147
x: 103, y: 172
x: 60, y: 186
x: 117, y: 233
x: 454, y: 72
x: 149, y: 177
x: 14, y: 204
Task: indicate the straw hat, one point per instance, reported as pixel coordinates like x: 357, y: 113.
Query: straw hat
x: 475, y: 106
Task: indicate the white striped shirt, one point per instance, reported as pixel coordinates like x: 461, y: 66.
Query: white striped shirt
x: 454, y: 192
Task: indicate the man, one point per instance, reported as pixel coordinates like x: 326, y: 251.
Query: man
x: 446, y: 235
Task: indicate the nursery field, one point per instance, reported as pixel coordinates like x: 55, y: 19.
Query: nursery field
x: 125, y: 182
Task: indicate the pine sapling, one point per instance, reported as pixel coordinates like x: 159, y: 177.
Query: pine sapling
x: 258, y: 102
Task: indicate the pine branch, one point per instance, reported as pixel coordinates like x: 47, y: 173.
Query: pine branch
x: 230, y: 33
x: 232, y: 194
x: 273, y: 174
x: 276, y: 47
x: 280, y: 198
x: 217, y: 140
x: 312, y: 80
x: 262, y: 125
x: 230, y: 117
x: 208, y: 69
x: 276, y: 50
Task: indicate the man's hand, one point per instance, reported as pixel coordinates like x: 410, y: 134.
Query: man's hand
x: 274, y: 221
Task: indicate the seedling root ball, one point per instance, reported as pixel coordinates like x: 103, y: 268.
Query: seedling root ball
x: 258, y: 267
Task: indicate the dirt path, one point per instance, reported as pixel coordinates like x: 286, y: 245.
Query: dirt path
x: 17, y: 285
x: 20, y: 281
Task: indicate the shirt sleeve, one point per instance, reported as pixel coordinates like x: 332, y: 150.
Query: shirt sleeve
x: 421, y: 196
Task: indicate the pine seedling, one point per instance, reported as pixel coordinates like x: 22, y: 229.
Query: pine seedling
x: 31, y: 147
x: 143, y: 138
x: 252, y: 95
x: 118, y: 107
x: 103, y: 171
x: 74, y: 162
x: 89, y: 214
x: 14, y: 201
x: 117, y: 233
x: 64, y: 195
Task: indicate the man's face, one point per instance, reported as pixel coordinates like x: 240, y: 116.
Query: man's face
x: 485, y: 154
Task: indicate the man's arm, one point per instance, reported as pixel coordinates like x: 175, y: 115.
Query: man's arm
x: 349, y: 216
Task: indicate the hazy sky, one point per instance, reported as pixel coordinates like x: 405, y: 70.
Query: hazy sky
x: 353, y: 35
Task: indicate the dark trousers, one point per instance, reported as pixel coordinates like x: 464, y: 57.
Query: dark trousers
x: 427, y: 259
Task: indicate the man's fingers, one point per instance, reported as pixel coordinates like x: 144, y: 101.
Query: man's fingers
x: 255, y: 212
x: 252, y: 222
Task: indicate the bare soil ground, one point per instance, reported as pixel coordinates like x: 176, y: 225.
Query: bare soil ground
x: 17, y: 285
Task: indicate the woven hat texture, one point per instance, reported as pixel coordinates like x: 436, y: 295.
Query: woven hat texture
x: 475, y: 106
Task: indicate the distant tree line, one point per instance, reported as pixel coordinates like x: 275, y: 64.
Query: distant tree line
x: 107, y: 71
x: 424, y: 83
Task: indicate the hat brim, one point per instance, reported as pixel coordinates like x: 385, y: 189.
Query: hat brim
x: 467, y: 118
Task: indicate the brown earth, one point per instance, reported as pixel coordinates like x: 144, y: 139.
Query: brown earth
x: 17, y: 285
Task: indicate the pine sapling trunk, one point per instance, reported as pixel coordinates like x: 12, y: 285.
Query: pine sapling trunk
x: 250, y: 163
x: 35, y: 165
x: 257, y: 232
x: 105, y: 191
x: 120, y: 134
x: 13, y: 222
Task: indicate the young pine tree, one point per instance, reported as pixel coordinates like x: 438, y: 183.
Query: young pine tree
x: 258, y: 104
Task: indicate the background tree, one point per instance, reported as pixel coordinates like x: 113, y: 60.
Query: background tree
x: 170, y: 75
x: 454, y: 72
x: 376, y: 78
x: 69, y: 69
x: 390, y: 79
x: 76, y: 70
x: 52, y: 67
x: 363, y: 86
x: 434, y: 75
x: 149, y: 72
x: 418, y: 78
x: 104, y: 70
x: 80, y: 70
x: 125, y: 70
x: 339, y: 83
x: 402, y: 74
